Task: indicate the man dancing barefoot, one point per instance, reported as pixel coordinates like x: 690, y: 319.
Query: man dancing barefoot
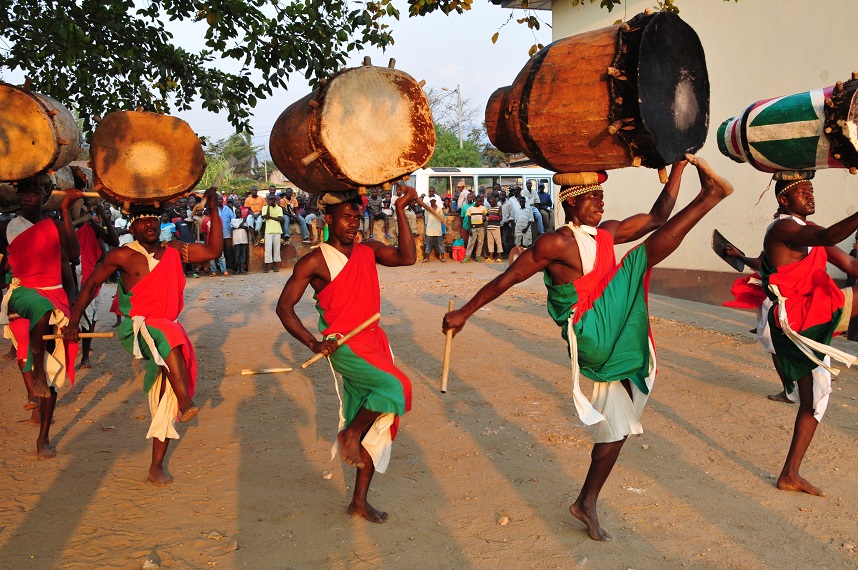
x: 345, y: 279
x: 151, y: 296
x: 808, y: 309
x: 601, y: 308
x: 39, y: 250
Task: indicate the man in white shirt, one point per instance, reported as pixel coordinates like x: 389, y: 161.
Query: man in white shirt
x: 434, y: 232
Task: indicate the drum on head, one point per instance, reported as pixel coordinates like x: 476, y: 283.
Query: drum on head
x: 363, y: 127
x: 145, y: 158
x: 627, y: 95
x: 37, y: 134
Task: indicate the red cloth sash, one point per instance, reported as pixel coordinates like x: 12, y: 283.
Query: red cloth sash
x: 812, y: 296
x: 36, y: 260
x: 746, y: 295
x: 351, y: 298
x: 159, y: 298
x: 90, y: 252
x: 591, y: 285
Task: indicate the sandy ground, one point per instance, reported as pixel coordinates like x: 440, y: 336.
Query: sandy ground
x: 696, y: 490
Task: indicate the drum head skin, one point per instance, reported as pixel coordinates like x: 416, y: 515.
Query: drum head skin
x: 673, y: 89
x: 143, y: 157
x: 375, y: 123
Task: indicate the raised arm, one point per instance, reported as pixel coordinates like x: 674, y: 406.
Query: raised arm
x: 406, y: 252
x: 793, y: 234
x: 639, y: 225
x: 105, y: 230
x: 304, y: 272
x: 531, y: 261
x: 68, y: 238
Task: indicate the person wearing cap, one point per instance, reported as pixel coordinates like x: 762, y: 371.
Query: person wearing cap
x: 601, y: 307
x: 39, y: 249
x: 376, y: 393
x: 461, y: 194
x: 808, y: 309
x: 272, y: 214
x: 151, y: 296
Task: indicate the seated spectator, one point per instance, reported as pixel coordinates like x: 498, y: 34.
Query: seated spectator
x: 254, y: 203
x: 291, y: 214
x: 375, y: 205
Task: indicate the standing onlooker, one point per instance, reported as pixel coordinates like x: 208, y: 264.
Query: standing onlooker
x: 185, y: 231
x: 462, y: 194
x: 375, y: 205
x: 507, y: 222
x: 476, y: 216
x: 544, y: 205
x: 523, y: 224
x: 168, y: 228
x: 239, y: 243
x: 434, y: 232
x: 408, y: 213
x: 227, y: 214
x: 493, y: 230
x: 123, y: 230
x: 273, y: 216
x: 463, y: 211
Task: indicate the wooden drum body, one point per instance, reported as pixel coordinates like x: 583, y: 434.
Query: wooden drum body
x: 37, y: 134
x: 628, y: 95
x: 806, y: 131
x: 145, y: 158
x: 364, y: 127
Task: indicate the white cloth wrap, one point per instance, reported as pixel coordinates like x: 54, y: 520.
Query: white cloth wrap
x: 615, y: 414
x: 377, y: 441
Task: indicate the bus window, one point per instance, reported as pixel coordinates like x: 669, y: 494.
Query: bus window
x: 469, y: 184
x: 486, y: 183
x: 509, y: 181
x: 441, y: 184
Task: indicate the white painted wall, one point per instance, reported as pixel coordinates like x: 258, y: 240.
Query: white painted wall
x: 755, y: 49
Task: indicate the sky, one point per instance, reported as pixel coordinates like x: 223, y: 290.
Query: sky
x: 445, y: 51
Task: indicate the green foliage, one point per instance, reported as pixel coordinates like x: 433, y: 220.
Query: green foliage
x: 448, y: 153
x: 102, y: 55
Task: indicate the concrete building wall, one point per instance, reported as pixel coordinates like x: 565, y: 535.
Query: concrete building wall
x: 755, y: 49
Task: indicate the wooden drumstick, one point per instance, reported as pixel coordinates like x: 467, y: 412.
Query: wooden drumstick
x: 429, y: 209
x: 346, y: 338
x: 84, y: 194
x: 249, y: 372
x: 81, y: 335
x: 448, y: 346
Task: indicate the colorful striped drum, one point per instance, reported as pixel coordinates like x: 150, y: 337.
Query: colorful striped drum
x: 806, y: 131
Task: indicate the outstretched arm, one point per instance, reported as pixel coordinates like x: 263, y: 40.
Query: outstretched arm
x: 842, y: 261
x: 793, y: 234
x: 526, y: 265
x: 304, y: 272
x: 406, y: 252
x: 752, y: 262
x: 639, y: 225
x: 108, y: 266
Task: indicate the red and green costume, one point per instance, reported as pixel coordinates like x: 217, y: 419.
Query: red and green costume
x: 36, y: 289
x: 370, y: 379
x: 607, y: 312
x: 813, y: 306
x: 153, y: 306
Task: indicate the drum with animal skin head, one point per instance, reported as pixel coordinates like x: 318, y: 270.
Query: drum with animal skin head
x: 626, y: 95
x: 145, y: 158
x: 363, y: 127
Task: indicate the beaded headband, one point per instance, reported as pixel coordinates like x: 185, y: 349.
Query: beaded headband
x: 573, y: 191
x: 786, y: 188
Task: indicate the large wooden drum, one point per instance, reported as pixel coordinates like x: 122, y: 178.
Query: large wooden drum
x: 627, y: 95
x: 364, y: 127
x: 37, y: 134
x: 145, y: 158
x: 805, y: 131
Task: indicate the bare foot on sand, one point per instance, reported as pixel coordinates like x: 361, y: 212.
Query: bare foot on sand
x: 84, y: 364
x: 36, y: 416
x: 350, y: 449
x: 158, y: 478
x: 32, y: 403
x: 45, y: 451
x: 10, y: 356
x: 40, y: 386
x: 591, y: 520
x: 780, y: 397
x: 798, y: 483
x: 189, y: 414
x: 368, y: 512
x: 711, y: 185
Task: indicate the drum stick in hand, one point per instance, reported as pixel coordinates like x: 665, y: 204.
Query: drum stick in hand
x: 448, y: 345
x: 84, y: 194
x: 346, y: 338
x: 81, y: 335
x: 249, y: 372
